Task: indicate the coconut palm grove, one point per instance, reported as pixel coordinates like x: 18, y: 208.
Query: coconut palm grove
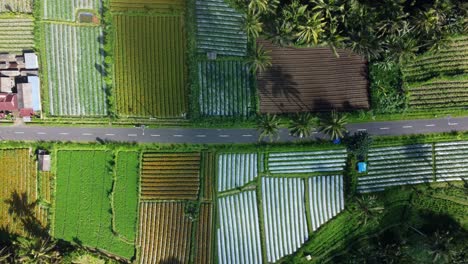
x: 233, y: 131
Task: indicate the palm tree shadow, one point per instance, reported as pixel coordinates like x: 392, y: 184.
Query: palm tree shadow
x: 170, y: 260
x: 23, y: 211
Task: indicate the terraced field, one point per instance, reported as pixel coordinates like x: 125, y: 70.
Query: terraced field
x: 306, y: 162
x: 311, y: 80
x: 238, y: 233
x: 170, y: 176
x: 236, y: 169
x: 326, y: 199
x: 16, y: 6
x: 284, y: 216
x: 164, y: 6
x: 16, y: 35
x: 164, y: 233
x: 66, y: 10
x: 394, y: 166
x: 219, y: 29
x: 75, y: 70
x: 440, y: 93
x: 18, y: 185
x: 225, y: 88
x: 451, y: 161
x: 150, y: 70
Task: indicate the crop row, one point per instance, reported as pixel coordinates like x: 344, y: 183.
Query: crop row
x: 451, y: 161
x: 16, y: 6
x: 238, y: 233
x: 150, y: 68
x: 326, y: 198
x: 65, y: 10
x: 170, y: 177
x: 18, y: 183
x: 209, y: 175
x: 164, y: 6
x: 75, y: 70
x: 236, y: 169
x: 16, y: 35
x: 224, y: 88
x: 165, y: 233
x: 306, y: 162
x: 204, y: 235
x: 219, y: 28
x: 285, y: 216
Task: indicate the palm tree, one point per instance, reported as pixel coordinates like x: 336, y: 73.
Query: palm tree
x: 310, y: 32
x: 4, y: 255
x: 252, y: 25
x: 333, y: 125
x: 368, y: 207
x: 440, y: 247
x: 268, y: 125
x: 334, y: 39
x: 301, y: 125
x: 261, y: 61
x: 37, y: 251
x: 259, y: 5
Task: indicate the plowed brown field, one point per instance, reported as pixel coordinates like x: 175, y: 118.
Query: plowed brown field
x: 312, y: 79
x: 204, y: 236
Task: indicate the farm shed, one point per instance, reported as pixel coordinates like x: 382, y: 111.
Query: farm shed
x: 36, y: 92
x: 31, y: 62
x: 312, y: 80
x: 43, y: 160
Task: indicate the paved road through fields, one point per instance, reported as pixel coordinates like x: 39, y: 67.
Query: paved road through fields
x: 221, y: 136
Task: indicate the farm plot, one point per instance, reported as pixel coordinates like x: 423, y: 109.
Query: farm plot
x: 164, y: 233
x: 16, y: 35
x: 16, y: 6
x: 67, y: 10
x: 220, y: 28
x: 209, y: 174
x: 45, y: 179
x: 451, y: 161
x: 125, y: 194
x: 150, y: 70
x: 83, y: 206
x: 204, y: 235
x: 18, y: 185
x: 224, y: 88
x: 238, y: 233
x: 75, y: 71
x: 163, y: 6
x: 285, y: 216
x: 236, y: 169
x: 170, y: 176
x: 306, y: 162
x: 394, y: 166
x: 326, y: 198
x: 450, y: 61
x: 440, y: 93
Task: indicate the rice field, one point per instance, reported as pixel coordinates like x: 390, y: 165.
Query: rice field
x: 225, y: 88
x: 238, y: 233
x: 170, y: 176
x: 150, y: 70
x: 163, y: 6
x: 307, y: 161
x: 236, y: 169
x: 16, y: 35
x: 75, y: 70
x: 16, y: 6
x: 164, y: 233
x: 66, y: 10
x: 284, y: 215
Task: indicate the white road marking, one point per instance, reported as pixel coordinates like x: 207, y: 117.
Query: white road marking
x: 132, y: 135
x: 407, y: 126
x: 19, y: 132
x: 200, y: 135
x: 110, y: 134
x: 64, y: 133
x: 384, y: 128
x: 41, y: 133
x: 86, y: 134
x: 453, y: 124
x: 155, y: 135
x: 431, y: 125
x: 247, y: 135
x: 178, y: 135
x: 223, y: 135
x: 362, y: 129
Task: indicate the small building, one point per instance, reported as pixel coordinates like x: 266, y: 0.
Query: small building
x: 6, y: 84
x: 43, y: 160
x: 362, y: 167
x: 36, y: 92
x: 8, y: 102
x: 31, y: 62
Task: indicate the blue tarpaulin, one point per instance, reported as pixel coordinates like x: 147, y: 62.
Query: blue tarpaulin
x: 362, y: 167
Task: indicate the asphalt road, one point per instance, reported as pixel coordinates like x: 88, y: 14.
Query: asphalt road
x: 202, y: 136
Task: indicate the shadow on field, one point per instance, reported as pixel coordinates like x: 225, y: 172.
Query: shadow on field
x: 24, y: 211
x: 170, y: 260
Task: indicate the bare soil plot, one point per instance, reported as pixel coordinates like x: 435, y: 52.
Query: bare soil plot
x: 312, y: 79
